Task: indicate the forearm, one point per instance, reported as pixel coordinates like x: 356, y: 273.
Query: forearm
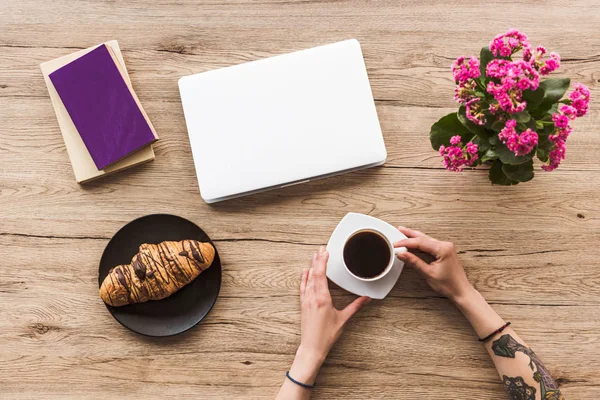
x: 304, y: 369
x: 522, y: 372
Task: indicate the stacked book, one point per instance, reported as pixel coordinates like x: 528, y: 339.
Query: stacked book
x: 103, y: 124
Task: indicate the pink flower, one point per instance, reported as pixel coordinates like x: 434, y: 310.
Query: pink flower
x: 559, y: 150
x: 528, y: 55
x: 474, y: 111
x: 494, y: 108
x: 454, y: 140
x: 510, y: 124
x: 510, y: 42
x: 520, y: 144
x: 465, y: 91
x: 580, y: 99
x: 508, y: 100
x: 514, y: 76
x: 536, y: 60
x: 455, y: 158
x: 472, y: 149
x: 464, y: 70
x: 560, y: 120
x: 569, y: 111
x: 550, y: 65
x: 497, y: 68
x: 527, y: 141
x: 555, y: 157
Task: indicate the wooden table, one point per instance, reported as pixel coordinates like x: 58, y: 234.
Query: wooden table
x: 532, y: 250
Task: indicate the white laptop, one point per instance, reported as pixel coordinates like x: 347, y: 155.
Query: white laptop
x: 281, y: 121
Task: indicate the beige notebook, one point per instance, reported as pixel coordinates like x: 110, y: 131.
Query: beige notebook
x: 83, y: 166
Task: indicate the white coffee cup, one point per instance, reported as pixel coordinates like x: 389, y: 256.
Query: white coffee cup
x: 392, y: 252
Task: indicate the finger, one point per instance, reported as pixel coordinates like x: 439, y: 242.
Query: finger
x: 411, y: 233
x: 303, y: 280
x: 415, y: 262
x: 426, y: 244
x: 309, y: 275
x: 320, y: 264
x: 311, y: 269
x: 353, y: 307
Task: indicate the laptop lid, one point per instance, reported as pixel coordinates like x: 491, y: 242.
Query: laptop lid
x: 281, y: 120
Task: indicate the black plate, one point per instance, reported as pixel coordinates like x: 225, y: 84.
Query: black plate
x: 178, y: 312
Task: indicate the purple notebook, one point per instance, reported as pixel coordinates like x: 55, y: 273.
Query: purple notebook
x: 101, y: 106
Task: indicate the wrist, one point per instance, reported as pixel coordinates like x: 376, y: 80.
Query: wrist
x: 478, y: 312
x: 465, y: 296
x: 306, y: 365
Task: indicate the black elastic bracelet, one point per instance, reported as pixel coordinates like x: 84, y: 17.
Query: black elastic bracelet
x: 488, y: 337
x: 304, y: 385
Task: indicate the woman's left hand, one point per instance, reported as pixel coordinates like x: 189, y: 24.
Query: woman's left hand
x: 322, y: 323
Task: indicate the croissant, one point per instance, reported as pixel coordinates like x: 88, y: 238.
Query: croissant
x: 156, y: 272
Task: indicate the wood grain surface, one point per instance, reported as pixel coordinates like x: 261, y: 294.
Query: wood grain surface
x: 532, y: 250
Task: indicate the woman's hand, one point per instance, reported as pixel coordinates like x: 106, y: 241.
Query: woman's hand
x: 445, y: 274
x: 322, y: 324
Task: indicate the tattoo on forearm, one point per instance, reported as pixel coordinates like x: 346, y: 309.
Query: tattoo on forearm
x: 507, y: 346
x: 518, y: 389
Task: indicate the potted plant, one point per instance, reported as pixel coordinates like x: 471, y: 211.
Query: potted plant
x: 508, y: 115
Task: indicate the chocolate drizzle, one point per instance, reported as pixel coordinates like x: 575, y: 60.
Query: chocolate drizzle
x: 121, y: 277
x: 195, y: 248
x: 139, y: 268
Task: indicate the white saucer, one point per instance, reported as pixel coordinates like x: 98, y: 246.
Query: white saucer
x: 337, y: 272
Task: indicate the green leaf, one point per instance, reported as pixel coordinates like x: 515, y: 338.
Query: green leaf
x: 490, y: 154
x: 521, y: 127
x: 543, y: 142
x: 485, y: 56
x: 494, y: 140
x: 445, y: 128
x: 497, y: 176
x: 470, y: 125
x: 521, y: 173
x: 542, y: 154
x: 548, y: 129
x: 522, y: 117
x: 498, y: 126
x: 508, y: 157
x: 482, y: 144
x: 532, y: 124
x: 554, y: 89
x: 533, y: 97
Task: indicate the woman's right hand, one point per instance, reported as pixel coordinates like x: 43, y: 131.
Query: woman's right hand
x: 445, y: 274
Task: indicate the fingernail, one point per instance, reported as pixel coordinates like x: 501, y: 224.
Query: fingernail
x: 322, y: 249
x: 397, y: 244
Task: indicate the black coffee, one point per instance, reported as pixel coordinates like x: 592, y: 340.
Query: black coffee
x: 367, y: 254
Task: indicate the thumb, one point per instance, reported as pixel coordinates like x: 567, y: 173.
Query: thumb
x: 353, y: 307
x: 414, y: 262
